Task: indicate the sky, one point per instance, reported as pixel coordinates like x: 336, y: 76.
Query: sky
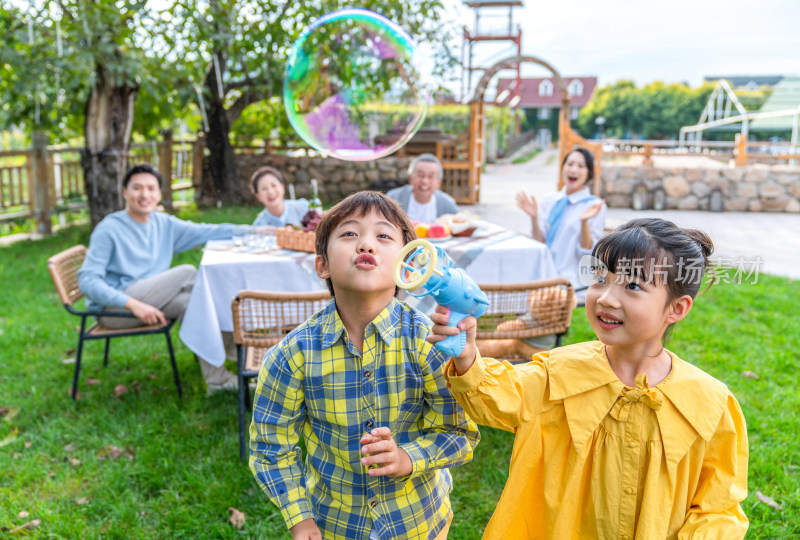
x: 644, y: 40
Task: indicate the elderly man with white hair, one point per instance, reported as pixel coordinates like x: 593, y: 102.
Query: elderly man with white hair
x: 421, y: 198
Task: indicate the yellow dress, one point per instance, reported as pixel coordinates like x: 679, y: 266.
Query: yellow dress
x: 593, y: 458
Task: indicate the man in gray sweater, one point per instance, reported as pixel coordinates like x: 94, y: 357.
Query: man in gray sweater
x: 421, y: 198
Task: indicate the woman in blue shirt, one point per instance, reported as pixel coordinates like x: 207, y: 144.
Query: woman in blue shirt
x: 570, y: 221
x: 269, y: 189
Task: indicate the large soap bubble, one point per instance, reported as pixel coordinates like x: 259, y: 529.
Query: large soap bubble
x: 351, y: 87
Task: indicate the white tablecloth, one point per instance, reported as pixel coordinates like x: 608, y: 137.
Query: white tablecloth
x: 493, y: 255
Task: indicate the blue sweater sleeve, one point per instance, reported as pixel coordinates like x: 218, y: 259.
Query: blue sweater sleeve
x: 92, y: 275
x: 187, y: 235
x: 122, y: 252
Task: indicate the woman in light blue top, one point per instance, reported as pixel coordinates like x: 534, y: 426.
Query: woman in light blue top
x: 570, y: 221
x: 269, y: 189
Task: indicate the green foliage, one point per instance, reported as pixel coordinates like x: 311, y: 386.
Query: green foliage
x: 655, y: 111
x: 251, y: 39
x: 52, y: 55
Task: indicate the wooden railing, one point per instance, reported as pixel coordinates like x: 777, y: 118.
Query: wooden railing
x: 55, y: 173
x: 742, y: 150
x: 16, y: 187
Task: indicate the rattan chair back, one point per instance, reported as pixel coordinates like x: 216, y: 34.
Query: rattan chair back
x: 63, y: 268
x: 262, y: 318
x: 524, y: 310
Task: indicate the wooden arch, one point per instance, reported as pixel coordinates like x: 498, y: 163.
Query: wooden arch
x: 568, y: 138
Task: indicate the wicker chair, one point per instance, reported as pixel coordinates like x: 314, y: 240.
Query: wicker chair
x: 260, y: 320
x: 63, y: 269
x: 524, y: 310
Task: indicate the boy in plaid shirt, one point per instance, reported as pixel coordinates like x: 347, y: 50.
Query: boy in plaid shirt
x: 365, y: 390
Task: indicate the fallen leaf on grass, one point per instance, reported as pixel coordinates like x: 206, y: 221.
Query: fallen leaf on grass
x: 8, y: 413
x: 77, y: 394
x: 70, y: 360
x: 152, y: 376
x: 51, y: 474
x: 237, y: 518
x: 120, y: 390
x: 11, y: 437
x: 74, y: 462
x: 22, y: 515
x: 27, y: 444
x: 91, y: 380
x: 768, y: 501
x: 70, y: 447
x: 109, y: 451
x: 26, y: 527
x: 82, y: 501
x: 16, y: 455
x: 749, y: 374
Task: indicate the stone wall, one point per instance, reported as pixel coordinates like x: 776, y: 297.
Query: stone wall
x: 337, y: 179
x: 754, y: 188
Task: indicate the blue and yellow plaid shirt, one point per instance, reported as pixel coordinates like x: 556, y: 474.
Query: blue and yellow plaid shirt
x: 314, y: 380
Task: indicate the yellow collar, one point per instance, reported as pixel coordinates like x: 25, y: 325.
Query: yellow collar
x: 581, y: 376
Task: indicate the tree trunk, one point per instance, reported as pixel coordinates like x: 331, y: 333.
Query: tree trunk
x: 220, y: 174
x: 107, y: 131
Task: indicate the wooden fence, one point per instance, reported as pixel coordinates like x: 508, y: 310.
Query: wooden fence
x: 742, y: 150
x: 45, y: 180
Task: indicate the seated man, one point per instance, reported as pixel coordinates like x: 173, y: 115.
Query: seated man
x: 128, y: 263
x: 421, y: 198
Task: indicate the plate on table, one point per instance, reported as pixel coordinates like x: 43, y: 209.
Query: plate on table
x: 436, y: 239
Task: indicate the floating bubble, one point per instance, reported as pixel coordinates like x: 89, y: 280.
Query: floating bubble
x: 351, y: 87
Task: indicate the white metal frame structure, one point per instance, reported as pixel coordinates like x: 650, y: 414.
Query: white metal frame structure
x: 718, y: 112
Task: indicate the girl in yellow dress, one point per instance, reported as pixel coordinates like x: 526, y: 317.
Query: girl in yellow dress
x: 617, y: 438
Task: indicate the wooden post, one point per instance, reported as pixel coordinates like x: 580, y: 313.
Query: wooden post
x: 165, y: 168
x: 741, y: 150
x: 648, y: 154
x: 42, y: 201
x: 475, y: 150
x: 198, y: 149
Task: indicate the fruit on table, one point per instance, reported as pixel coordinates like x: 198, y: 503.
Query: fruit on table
x: 311, y: 220
x: 422, y: 229
x: 438, y: 230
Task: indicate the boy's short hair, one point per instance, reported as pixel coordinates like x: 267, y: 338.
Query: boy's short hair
x: 359, y: 204
x: 262, y: 171
x: 140, y: 168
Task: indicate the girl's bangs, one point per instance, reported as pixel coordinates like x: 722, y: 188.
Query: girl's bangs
x: 629, y: 252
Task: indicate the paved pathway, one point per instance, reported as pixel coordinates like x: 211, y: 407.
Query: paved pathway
x: 775, y: 238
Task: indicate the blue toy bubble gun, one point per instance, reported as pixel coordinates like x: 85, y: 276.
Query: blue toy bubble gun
x: 422, y: 268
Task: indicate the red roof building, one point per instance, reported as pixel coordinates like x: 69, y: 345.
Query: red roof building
x: 541, y: 92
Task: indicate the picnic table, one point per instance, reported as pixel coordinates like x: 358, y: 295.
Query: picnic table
x: 492, y: 255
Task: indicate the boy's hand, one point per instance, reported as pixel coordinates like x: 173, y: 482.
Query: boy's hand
x: 306, y: 530
x: 381, y: 450
x: 441, y: 330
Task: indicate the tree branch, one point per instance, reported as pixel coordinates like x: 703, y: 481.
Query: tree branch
x: 248, y: 98
x: 235, y: 85
x: 65, y: 11
x: 283, y: 12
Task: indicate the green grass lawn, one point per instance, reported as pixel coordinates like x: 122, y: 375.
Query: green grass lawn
x: 179, y: 471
